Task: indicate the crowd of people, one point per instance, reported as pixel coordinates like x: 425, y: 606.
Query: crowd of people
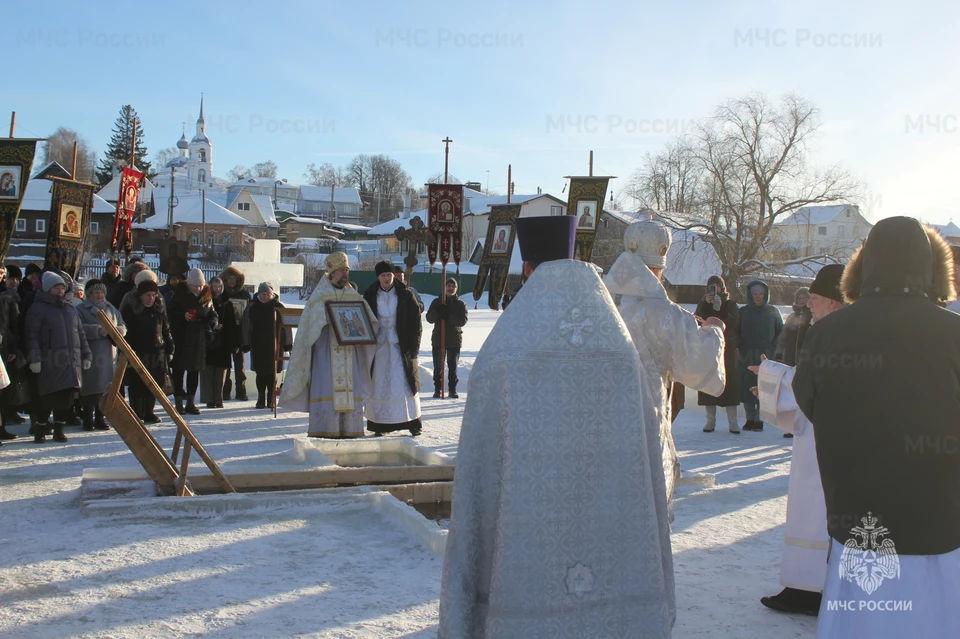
x: 61, y: 359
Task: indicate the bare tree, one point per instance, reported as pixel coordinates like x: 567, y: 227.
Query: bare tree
x: 382, y: 183
x: 239, y: 172
x: 59, y: 148
x: 163, y: 156
x: 746, y: 168
x: 266, y: 169
x: 327, y: 175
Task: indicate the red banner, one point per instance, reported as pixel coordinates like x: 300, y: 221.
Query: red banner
x: 445, y: 222
x: 127, y: 199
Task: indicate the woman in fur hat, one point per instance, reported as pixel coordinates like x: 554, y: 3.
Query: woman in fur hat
x: 192, y: 321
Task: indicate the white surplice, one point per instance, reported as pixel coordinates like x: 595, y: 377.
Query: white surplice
x: 559, y: 526
x: 392, y: 401
x: 672, y: 347
x: 803, y: 564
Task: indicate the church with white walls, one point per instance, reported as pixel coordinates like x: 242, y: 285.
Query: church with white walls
x: 193, y: 166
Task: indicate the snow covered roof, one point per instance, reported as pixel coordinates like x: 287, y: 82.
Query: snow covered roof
x: 37, y: 196
x: 322, y: 194
x: 189, y: 209
x: 388, y: 227
x: 814, y: 215
x: 690, y: 260
x: 51, y: 169
x: 948, y: 230
x: 265, y: 206
x: 348, y: 227
x: 480, y: 204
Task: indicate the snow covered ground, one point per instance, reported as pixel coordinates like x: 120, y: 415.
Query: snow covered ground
x: 337, y: 569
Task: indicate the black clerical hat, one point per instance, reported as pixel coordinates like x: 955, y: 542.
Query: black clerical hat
x: 546, y: 238
x: 827, y: 282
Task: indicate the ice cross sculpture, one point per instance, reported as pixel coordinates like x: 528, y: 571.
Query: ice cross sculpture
x: 266, y: 267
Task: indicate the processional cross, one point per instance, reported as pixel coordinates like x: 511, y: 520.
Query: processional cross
x: 417, y: 233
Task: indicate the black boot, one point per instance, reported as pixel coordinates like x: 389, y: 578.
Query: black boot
x: 58, y: 435
x: 39, y: 430
x: 242, y: 394
x: 180, y: 405
x: 4, y: 435
x: 758, y: 427
x: 150, y: 416
x: 191, y: 407
x: 88, y: 418
x: 261, y: 400
x: 453, y: 393
x: 436, y: 394
x: 792, y: 600
x: 98, y: 422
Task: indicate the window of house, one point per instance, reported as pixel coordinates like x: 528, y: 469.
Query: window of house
x: 21, y: 225
x: 556, y: 210
x: 821, y: 230
x: 243, y: 206
x: 211, y: 239
x: 226, y: 239
x: 195, y: 238
x: 95, y: 228
x: 202, y: 175
x: 41, y: 226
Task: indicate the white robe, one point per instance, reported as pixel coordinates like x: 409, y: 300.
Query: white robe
x: 559, y: 523
x: 803, y: 564
x: 392, y: 401
x: 308, y: 384
x: 672, y: 347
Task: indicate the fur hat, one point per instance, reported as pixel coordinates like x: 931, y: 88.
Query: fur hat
x: 383, y: 267
x: 898, y: 231
x: 14, y: 271
x: 650, y: 240
x: 147, y: 286
x: 266, y: 287
x: 143, y: 276
x: 51, y: 279
x: 94, y: 285
x: 827, y: 283
x: 717, y: 281
x: 337, y: 261
x: 195, y: 278
x: 32, y: 268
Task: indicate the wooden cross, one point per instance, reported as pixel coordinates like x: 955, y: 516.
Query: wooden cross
x: 415, y: 234
x: 446, y: 159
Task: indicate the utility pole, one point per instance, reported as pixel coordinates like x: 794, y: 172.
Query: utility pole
x: 203, y: 216
x: 332, y: 213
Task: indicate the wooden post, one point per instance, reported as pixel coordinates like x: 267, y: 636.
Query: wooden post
x: 13, y: 122
x: 443, y: 282
x: 591, y: 163
x: 73, y: 170
x: 509, y: 181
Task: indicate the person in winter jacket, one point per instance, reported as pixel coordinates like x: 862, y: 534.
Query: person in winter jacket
x: 57, y: 352
x: 31, y: 280
x: 794, y: 328
x: 131, y: 296
x: 100, y: 374
x: 716, y: 302
x: 760, y: 327
x: 148, y: 334
x: 126, y: 284
x: 225, y: 342
x: 454, y: 311
x: 111, y: 275
x: 9, y: 348
x: 233, y: 289
x: 259, y: 326
x: 192, y: 322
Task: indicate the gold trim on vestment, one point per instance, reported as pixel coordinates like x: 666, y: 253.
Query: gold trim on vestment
x: 341, y: 369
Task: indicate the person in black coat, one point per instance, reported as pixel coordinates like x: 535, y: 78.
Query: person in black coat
x: 794, y: 328
x: 9, y: 350
x: 30, y: 281
x: 126, y: 283
x: 111, y: 275
x: 148, y: 334
x: 192, y: 322
x: 220, y: 350
x: 454, y: 312
x: 716, y: 302
x: 259, y: 327
x: 233, y: 289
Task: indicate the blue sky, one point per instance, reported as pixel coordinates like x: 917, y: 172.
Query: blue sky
x: 536, y: 84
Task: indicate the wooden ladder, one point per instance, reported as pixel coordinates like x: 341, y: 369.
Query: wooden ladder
x: 161, y: 467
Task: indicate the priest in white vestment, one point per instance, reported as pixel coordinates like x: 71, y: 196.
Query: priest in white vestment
x: 672, y: 346
x: 880, y: 381
x: 559, y: 526
x: 329, y: 380
x: 395, y: 402
x: 803, y: 564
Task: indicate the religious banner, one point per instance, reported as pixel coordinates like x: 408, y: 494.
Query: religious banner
x: 70, y: 207
x: 127, y: 200
x: 16, y: 162
x: 445, y: 222
x: 587, y: 195
x: 497, y: 251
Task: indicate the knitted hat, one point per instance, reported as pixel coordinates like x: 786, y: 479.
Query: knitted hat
x: 94, y: 285
x: 337, y: 261
x: 827, y: 282
x: 383, y: 267
x: 450, y: 280
x: 32, y: 268
x: 143, y: 276
x: 110, y: 263
x: 195, y: 278
x: 266, y: 287
x: 650, y: 240
x: 717, y: 281
x: 50, y: 280
x: 147, y: 286
x: 14, y: 271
